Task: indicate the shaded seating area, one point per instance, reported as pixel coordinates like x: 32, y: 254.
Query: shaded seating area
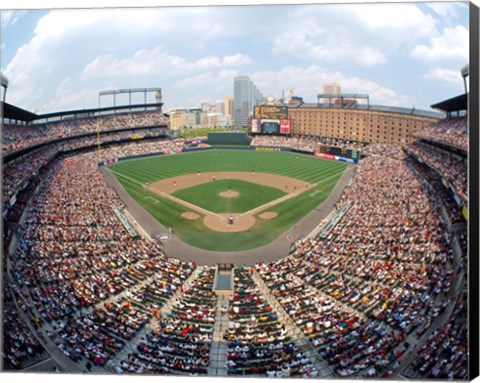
x: 180, y: 342
x: 258, y: 343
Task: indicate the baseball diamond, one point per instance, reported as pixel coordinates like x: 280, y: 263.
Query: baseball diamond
x: 172, y: 188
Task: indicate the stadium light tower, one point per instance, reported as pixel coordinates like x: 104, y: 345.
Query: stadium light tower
x: 465, y: 71
x: 4, y: 84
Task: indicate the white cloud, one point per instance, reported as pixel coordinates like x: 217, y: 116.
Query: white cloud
x: 236, y: 59
x: 447, y: 9
x: 356, y: 34
x: 143, y: 63
x: 329, y: 49
x: 444, y: 74
x: 66, y: 41
x: 308, y: 82
x: 197, y: 51
x: 221, y: 80
x: 230, y: 60
x: 148, y: 62
x: 195, y: 81
x: 452, y: 44
x: 394, y: 18
x: 84, y: 98
x: 9, y: 18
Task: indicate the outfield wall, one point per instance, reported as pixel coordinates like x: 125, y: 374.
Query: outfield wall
x: 234, y: 147
x: 228, y: 138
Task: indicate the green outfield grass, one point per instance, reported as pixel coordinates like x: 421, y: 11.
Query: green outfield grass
x: 134, y: 174
x: 250, y: 196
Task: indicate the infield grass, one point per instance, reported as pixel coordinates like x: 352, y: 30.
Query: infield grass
x: 250, y: 195
x: 134, y: 174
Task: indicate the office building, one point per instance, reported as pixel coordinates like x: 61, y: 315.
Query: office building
x: 246, y: 96
x: 220, y: 106
x: 229, y: 106
x: 331, y: 88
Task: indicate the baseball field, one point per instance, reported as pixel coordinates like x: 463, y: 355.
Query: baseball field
x: 229, y: 200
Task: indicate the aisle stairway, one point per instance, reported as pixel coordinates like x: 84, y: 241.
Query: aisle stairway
x: 218, y: 349
x: 323, y: 369
x: 140, y: 337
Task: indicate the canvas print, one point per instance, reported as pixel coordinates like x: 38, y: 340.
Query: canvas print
x: 257, y: 191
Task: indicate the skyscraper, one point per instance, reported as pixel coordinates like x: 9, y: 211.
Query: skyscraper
x: 245, y: 97
x: 331, y: 88
x: 220, y: 106
x: 229, y: 106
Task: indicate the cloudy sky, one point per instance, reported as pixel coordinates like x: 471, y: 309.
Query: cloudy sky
x: 403, y: 54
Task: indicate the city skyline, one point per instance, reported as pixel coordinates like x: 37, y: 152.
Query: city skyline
x: 401, y: 54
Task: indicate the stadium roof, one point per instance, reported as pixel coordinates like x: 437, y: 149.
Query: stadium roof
x: 454, y: 104
x: 378, y: 108
x: 97, y: 110
x: 14, y: 113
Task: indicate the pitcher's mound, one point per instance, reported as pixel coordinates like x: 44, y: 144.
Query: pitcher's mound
x: 219, y: 222
x: 190, y: 215
x: 229, y: 194
x: 268, y: 215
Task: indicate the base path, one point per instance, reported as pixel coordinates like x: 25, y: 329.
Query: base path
x: 277, y: 249
x: 173, y: 184
x: 218, y: 221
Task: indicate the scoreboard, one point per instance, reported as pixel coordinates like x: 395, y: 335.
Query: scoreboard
x: 270, y: 120
x: 270, y: 112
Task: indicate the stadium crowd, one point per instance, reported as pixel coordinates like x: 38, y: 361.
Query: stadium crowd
x: 143, y: 147
x: 306, y: 143
x: 20, y: 348
x: 377, y: 274
x: 180, y: 341
x: 20, y: 171
x: 257, y: 342
x: 297, y: 142
x: 381, y: 274
x: 445, y: 354
x: 71, y: 232
x: 447, y: 164
x: 451, y: 131
x: 15, y: 137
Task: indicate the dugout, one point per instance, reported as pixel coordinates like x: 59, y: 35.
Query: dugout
x: 228, y: 138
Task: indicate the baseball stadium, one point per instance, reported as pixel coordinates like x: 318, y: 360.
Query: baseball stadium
x: 136, y: 252
x: 297, y: 248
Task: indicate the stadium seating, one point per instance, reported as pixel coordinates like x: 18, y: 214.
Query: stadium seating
x: 380, y: 277
x: 15, y: 137
x: 452, y: 131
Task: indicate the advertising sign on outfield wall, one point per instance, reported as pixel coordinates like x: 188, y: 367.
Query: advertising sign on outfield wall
x: 323, y: 155
x: 336, y: 158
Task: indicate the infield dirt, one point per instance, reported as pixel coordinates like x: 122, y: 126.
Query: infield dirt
x: 221, y: 222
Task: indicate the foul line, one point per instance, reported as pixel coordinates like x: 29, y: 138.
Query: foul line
x: 170, y: 197
x: 253, y: 211
x: 278, y: 200
x: 288, y: 196
x: 128, y: 178
x: 156, y: 200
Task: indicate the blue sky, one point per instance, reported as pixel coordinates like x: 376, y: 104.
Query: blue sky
x: 403, y: 54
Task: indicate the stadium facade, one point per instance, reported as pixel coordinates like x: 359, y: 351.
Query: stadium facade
x: 373, y: 124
